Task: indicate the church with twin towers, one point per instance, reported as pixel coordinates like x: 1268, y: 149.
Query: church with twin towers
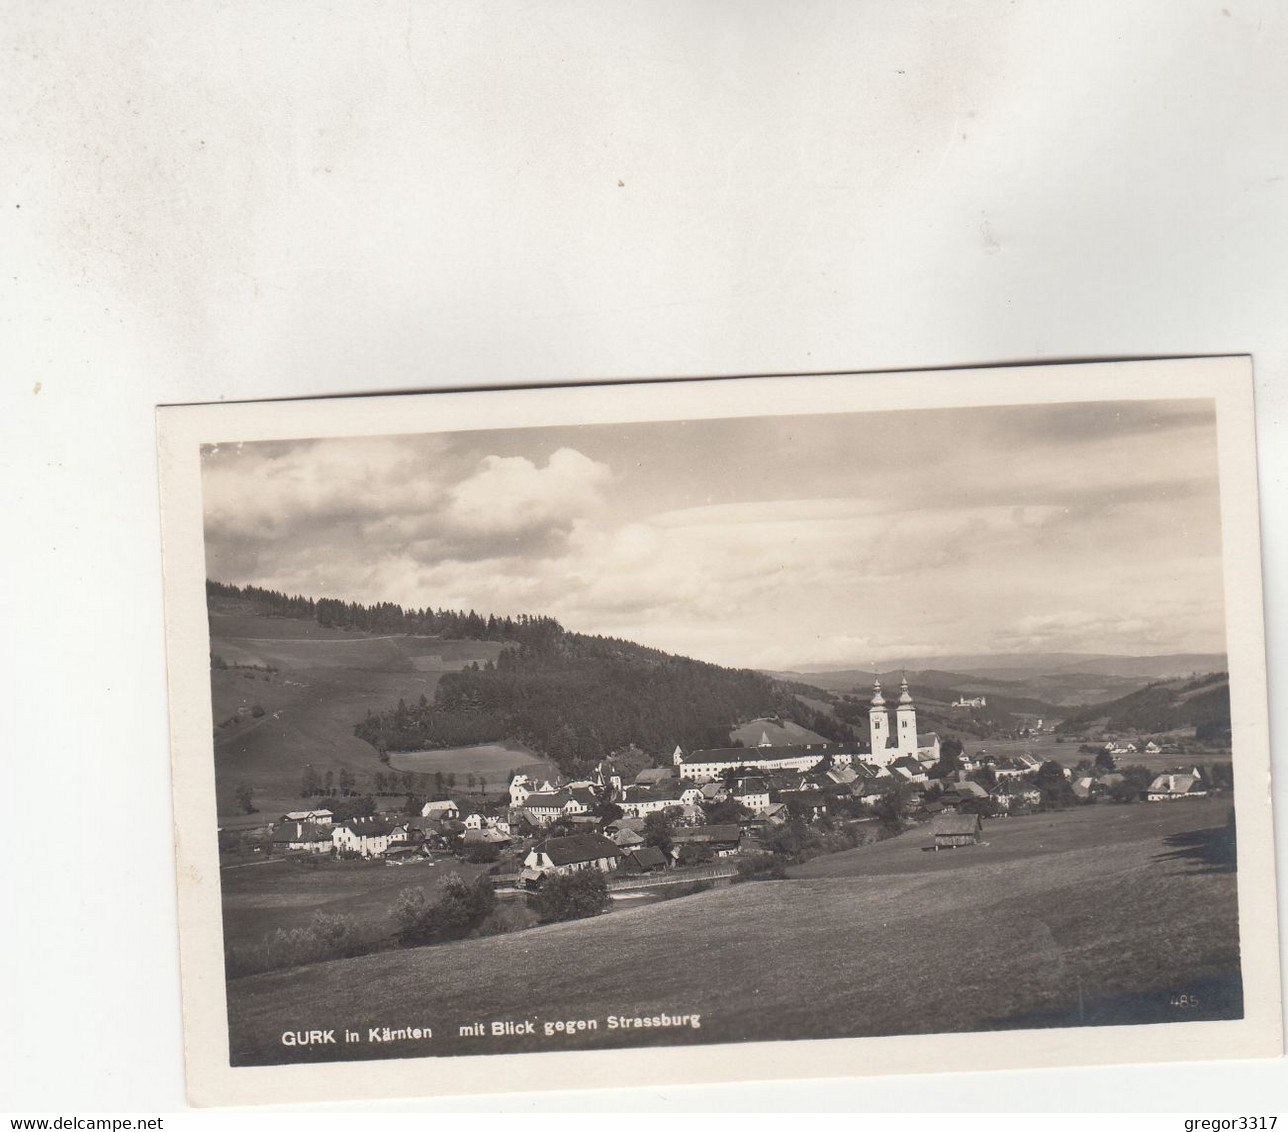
x: 904, y: 741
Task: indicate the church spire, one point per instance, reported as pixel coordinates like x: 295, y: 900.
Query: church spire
x: 905, y: 696
x: 878, y: 700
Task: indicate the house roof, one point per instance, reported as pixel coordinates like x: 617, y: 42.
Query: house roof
x: 814, y: 798
x: 445, y: 804
x: 655, y: 774
x: 488, y: 836
x: 302, y: 832
x: 369, y: 826
x: 955, y: 825
x: 585, y: 795
x: 627, y: 837
x: 736, y: 755
x: 1172, y: 784
x: 726, y: 832
x: 927, y: 738
x: 647, y: 857
x: 557, y: 800
x: 577, y: 848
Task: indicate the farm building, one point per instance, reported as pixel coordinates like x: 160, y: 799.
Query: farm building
x: 952, y: 831
x: 321, y: 817
x: 646, y: 859
x: 369, y: 836
x: 570, y: 854
x: 1173, y: 787
x: 310, y: 837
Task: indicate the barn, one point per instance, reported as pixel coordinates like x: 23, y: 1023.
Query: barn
x: 955, y: 830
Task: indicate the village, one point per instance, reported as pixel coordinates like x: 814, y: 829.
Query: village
x: 711, y: 815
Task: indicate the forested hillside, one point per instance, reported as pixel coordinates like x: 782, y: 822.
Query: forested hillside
x: 569, y: 696
x: 1202, y: 703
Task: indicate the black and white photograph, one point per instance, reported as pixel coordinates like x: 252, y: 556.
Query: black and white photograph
x: 731, y: 727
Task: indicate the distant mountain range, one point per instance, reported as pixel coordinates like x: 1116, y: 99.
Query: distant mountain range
x: 1018, y: 665
x: 1056, y: 679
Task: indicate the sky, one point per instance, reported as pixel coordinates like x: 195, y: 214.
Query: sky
x: 842, y: 539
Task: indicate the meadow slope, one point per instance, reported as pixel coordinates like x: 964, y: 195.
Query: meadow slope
x: 1097, y: 916
x: 322, y: 682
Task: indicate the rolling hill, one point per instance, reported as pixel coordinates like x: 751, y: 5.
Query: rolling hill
x: 1202, y: 703
x: 1130, y: 905
x: 336, y: 686
x: 310, y: 685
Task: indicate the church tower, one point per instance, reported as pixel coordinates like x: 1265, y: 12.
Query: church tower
x: 906, y: 722
x: 879, y: 726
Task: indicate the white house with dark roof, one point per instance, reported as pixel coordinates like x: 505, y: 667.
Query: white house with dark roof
x: 368, y: 836
x: 1174, y: 787
x: 440, y: 810
x: 546, y: 808
x: 572, y: 854
x: 321, y: 817
x: 307, y: 836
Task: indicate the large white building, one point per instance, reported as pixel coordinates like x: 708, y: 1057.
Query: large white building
x: 707, y: 766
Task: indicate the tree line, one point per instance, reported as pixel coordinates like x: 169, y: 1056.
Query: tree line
x: 383, y: 617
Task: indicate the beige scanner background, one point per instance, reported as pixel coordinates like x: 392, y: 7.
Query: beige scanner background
x: 237, y: 200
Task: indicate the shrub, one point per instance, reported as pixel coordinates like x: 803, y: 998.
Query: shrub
x: 325, y: 937
x: 761, y: 866
x: 460, y: 908
x: 572, y: 896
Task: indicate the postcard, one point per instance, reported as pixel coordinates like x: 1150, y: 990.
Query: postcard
x: 719, y: 729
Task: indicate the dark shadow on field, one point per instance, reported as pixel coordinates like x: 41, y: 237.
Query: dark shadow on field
x: 1205, y: 850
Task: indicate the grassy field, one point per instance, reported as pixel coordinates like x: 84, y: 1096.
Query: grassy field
x: 493, y: 760
x: 325, y: 681
x: 261, y: 897
x: 786, y: 733
x: 1095, y: 916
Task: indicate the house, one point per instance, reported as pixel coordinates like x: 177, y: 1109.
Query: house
x: 638, y: 801
x: 489, y: 836
x: 808, y: 803
x: 752, y: 793
x: 909, y: 769
x: 842, y: 775
x: 369, y: 837
x: 321, y: 817
x: 306, y: 836
x: 646, y: 859
x: 1013, y: 794
x: 953, y: 831
x: 547, y: 808
x: 440, y: 810
x: 564, y: 855
x: 968, y: 789
x: 627, y: 839
x: 652, y: 776
x: 1174, y: 787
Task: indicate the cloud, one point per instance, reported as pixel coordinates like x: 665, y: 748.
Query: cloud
x: 512, y: 494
